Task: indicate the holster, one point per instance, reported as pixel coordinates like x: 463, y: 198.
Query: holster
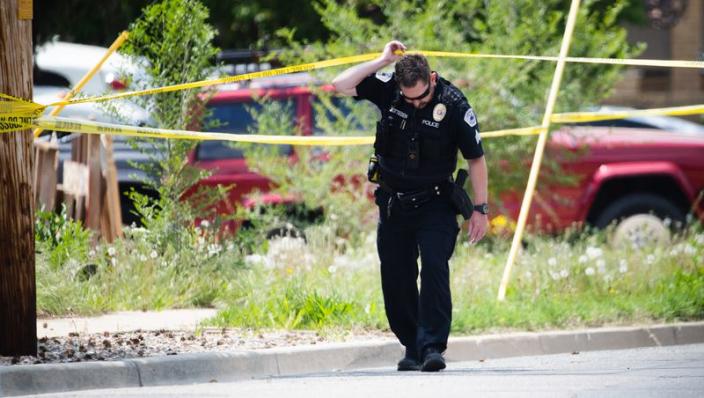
x: 459, y: 197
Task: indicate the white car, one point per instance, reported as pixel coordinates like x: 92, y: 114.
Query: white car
x: 69, y: 62
x: 60, y: 66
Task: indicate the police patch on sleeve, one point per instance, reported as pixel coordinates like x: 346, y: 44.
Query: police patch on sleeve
x: 383, y: 76
x: 470, y: 117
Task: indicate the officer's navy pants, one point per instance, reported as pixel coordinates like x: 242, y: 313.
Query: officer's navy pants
x: 419, y: 319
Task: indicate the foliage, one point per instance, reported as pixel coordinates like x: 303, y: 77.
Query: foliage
x: 144, y: 271
x: 241, y: 24
x: 506, y: 94
x: 568, y: 281
x: 59, y: 236
x: 165, y: 53
x: 329, y: 178
x: 575, y: 280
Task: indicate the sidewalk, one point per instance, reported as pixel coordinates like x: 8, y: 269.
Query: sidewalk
x: 238, y: 365
x: 124, y: 322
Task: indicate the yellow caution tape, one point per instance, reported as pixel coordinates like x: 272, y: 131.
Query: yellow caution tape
x: 17, y: 114
x: 535, y: 130
x: 90, y: 127
x: 589, y: 60
x: 366, y: 57
x: 230, y: 79
x: 578, y: 117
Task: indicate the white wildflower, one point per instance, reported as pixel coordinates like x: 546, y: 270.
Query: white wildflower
x: 113, y: 261
x: 205, y: 224
x: 699, y: 239
x: 111, y: 251
x: 554, y: 275
x: 650, y: 259
x: 529, y: 275
x: 589, y: 271
x: 214, y: 249
x: 564, y: 273
x: 91, y: 253
x: 332, y: 269
x: 333, y: 216
x: 153, y: 254
x: 230, y: 246
x: 142, y: 257
x: 367, y: 308
x: 594, y: 252
x: 552, y: 261
x: 601, y: 266
x: 623, y: 266
x: 690, y: 250
x: 583, y: 259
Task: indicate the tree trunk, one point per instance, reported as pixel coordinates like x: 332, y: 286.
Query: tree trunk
x: 18, y: 307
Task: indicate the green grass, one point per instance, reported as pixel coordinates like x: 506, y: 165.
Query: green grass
x: 563, y: 282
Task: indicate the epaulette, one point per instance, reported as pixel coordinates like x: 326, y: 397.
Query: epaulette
x: 451, y: 94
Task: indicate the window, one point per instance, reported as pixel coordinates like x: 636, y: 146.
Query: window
x: 236, y: 118
x: 330, y: 110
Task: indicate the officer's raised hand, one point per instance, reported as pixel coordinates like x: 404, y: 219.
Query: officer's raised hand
x: 346, y: 82
x: 391, y: 48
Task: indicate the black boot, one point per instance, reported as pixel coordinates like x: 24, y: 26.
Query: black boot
x: 432, y: 360
x: 410, y: 361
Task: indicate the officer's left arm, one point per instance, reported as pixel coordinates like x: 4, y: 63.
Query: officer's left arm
x: 478, y: 174
x: 470, y: 145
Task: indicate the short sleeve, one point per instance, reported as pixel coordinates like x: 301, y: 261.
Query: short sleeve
x: 377, y: 88
x: 467, y: 128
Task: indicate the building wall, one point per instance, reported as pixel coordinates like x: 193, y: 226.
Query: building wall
x: 645, y: 87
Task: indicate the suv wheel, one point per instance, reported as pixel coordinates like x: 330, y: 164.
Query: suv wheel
x: 642, y: 220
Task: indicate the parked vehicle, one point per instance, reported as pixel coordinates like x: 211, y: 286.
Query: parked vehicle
x: 60, y: 63
x: 645, y: 180
x: 644, y: 173
x: 645, y: 176
x: 60, y: 66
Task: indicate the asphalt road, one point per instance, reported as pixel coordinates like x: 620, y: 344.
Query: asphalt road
x: 674, y: 371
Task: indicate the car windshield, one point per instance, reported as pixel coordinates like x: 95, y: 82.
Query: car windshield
x: 336, y: 112
x: 236, y: 118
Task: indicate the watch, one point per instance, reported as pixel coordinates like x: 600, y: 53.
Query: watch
x: 482, y: 208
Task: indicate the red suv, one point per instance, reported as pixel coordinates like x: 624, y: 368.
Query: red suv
x: 645, y: 172
x: 228, y: 167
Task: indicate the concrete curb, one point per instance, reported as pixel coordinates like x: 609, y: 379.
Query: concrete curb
x: 224, y: 367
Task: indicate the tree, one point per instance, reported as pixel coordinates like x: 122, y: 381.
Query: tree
x: 18, y: 314
x: 171, y: 43
x: 242, y: 24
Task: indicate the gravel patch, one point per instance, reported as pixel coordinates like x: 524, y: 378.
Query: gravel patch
x: 109, y: 346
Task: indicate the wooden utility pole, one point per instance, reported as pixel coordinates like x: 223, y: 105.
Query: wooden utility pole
x: 18, y: 303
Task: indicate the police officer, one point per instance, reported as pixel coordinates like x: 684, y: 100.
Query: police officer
x: 424, y: 121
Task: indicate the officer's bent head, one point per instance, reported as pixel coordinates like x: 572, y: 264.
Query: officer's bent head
x: 415, y: 79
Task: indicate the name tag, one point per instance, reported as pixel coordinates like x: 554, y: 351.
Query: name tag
x: 398, y: 112
x: 430, y: 123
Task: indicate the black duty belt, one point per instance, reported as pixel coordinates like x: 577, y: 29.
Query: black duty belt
x: 415, y: 199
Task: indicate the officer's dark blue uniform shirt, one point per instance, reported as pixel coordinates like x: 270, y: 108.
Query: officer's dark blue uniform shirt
x: 421, y: 144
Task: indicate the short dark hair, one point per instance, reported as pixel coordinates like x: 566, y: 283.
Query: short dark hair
x: 412, y: 68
